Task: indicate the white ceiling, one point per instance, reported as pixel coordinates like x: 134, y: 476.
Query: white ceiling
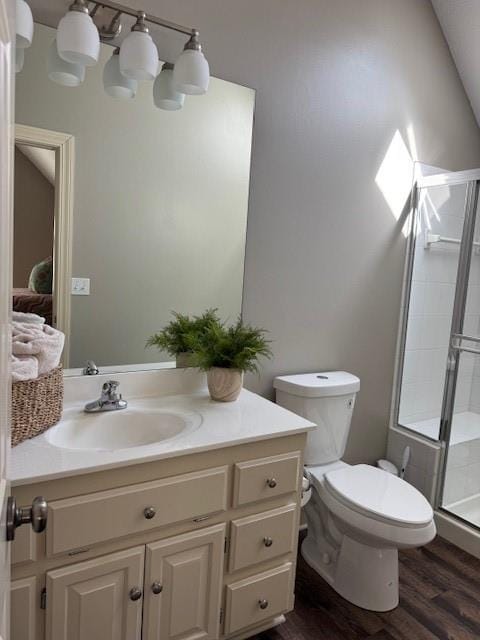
x: 460, y: 21
x: 43, y: 159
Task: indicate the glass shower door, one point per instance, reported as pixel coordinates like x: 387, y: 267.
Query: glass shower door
x: 434, y: 265
x: 461, y: 480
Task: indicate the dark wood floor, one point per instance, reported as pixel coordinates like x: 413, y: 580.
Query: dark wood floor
x: 439, y: 598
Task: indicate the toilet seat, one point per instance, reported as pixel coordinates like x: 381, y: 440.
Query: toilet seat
x: 374, y: 493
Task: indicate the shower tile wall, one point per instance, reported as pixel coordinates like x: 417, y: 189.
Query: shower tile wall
x: 430, y: 313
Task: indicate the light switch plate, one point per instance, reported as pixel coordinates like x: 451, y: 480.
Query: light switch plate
x: 80, y: 286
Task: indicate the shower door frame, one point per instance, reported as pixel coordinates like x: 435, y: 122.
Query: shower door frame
x: 471, y: 179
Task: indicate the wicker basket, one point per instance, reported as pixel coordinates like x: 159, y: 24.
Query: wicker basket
x: 36, y: 405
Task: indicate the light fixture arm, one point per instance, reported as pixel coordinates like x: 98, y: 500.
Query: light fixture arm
x: 194, y: 43
x: 147, y: 17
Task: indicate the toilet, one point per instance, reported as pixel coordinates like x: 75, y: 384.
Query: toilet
x: 358, y: 516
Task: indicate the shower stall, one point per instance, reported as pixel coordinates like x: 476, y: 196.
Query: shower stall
x: 437, y: 399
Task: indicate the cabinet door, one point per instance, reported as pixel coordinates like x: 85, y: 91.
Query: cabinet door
x: 183, y: 579
x: 23, y: 607
x: 93, y: 600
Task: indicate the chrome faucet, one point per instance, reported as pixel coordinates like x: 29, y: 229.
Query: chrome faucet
x: 110, y: 399
x: 91, y: 369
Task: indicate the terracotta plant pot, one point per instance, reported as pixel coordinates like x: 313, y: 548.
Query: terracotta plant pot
x: 224, y: 384
x: 184, y: 360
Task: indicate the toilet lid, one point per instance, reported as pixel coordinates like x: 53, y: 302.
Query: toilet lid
x: 378, y: 492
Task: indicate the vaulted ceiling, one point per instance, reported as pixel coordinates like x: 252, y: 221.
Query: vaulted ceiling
x: 460, y: 21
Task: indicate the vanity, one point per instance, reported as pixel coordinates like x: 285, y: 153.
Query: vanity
x: 176, y: 518
x: 193, y: 536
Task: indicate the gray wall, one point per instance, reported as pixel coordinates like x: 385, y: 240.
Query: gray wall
x: 161, y: 202
x: 34, y: 199
x: 335, y: 80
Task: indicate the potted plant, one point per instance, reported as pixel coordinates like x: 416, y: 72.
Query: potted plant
x: 183, y: 331
x: 225, y: 353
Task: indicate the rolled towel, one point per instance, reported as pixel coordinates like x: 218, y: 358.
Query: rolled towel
x: 19, y: 316
x: 39, y: 340
x: 24, y: 368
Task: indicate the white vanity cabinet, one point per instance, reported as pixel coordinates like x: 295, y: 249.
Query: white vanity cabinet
x: 183, y: 584
x: 97, y: 599
x: 196, y: 547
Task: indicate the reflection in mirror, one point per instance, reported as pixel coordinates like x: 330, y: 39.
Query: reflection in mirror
x: 159, y: 208
x: 33, y: 233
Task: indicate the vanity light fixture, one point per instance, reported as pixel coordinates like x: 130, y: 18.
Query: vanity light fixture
x: 191, y: 73
x: 114, y: 82
x: 19, y: 59
x: 78, y: 46
x: 62, y: 72
x: 165, y: 96
x: 23, y: 24
x: 138, y: 53
x: 78, y: 40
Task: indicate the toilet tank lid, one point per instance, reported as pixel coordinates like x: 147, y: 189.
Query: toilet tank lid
x: 317, y: 385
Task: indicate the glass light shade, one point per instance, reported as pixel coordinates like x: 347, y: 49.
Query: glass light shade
x: 19, y: 59
x: 115, y: 83
x: 165, y: 96
x: 78, y: 41
x: 191, y: 73
x: 139, y: 57
x: 24, y: 24
x: 62, y: 72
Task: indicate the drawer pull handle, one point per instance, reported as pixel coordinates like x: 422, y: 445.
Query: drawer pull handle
x: 157, y: 588
x: 149, y: 513
x: 263, y: 604
x: 267, y: 541
x: 135, y: 594
x: 272, y: 483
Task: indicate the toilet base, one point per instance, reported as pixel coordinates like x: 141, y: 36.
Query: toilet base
x: 365, y: 576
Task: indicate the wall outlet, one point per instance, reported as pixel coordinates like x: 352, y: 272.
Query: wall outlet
x: 80, y: 286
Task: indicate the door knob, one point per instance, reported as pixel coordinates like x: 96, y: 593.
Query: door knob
x: 36, y: 515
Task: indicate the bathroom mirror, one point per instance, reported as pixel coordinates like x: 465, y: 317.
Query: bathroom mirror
x: 149, y: 208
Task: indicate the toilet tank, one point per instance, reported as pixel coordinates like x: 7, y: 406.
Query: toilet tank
x: 327, y: 399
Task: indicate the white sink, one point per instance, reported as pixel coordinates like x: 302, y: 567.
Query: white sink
x: 135, y: 426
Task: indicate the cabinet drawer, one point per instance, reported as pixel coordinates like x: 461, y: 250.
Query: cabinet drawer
x: 86, y: 520
x: 262, y: 536
x: 266, y: 478
x: 258, y: 598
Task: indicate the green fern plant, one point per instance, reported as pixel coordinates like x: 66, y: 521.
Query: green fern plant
x: 183, y: 332
x: 236, y: 347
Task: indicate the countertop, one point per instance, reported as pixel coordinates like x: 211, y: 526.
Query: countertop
x: 251, y: 418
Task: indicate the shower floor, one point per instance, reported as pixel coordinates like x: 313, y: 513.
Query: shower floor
x: 468, y: 509
x: 465, y: 427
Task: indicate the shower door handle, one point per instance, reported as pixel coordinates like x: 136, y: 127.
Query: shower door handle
x: 458, y: 338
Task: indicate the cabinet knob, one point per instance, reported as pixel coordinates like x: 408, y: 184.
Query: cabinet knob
x: 149, y: 512
x: 157, y: 588
x: 135, y: 594
x: 263, y: 604
x: 267, y: 541
x: 272, y: 483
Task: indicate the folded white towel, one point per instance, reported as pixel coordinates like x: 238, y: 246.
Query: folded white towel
x: 39, y: 340
x: 19, y: 316
x: 24, y: 368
